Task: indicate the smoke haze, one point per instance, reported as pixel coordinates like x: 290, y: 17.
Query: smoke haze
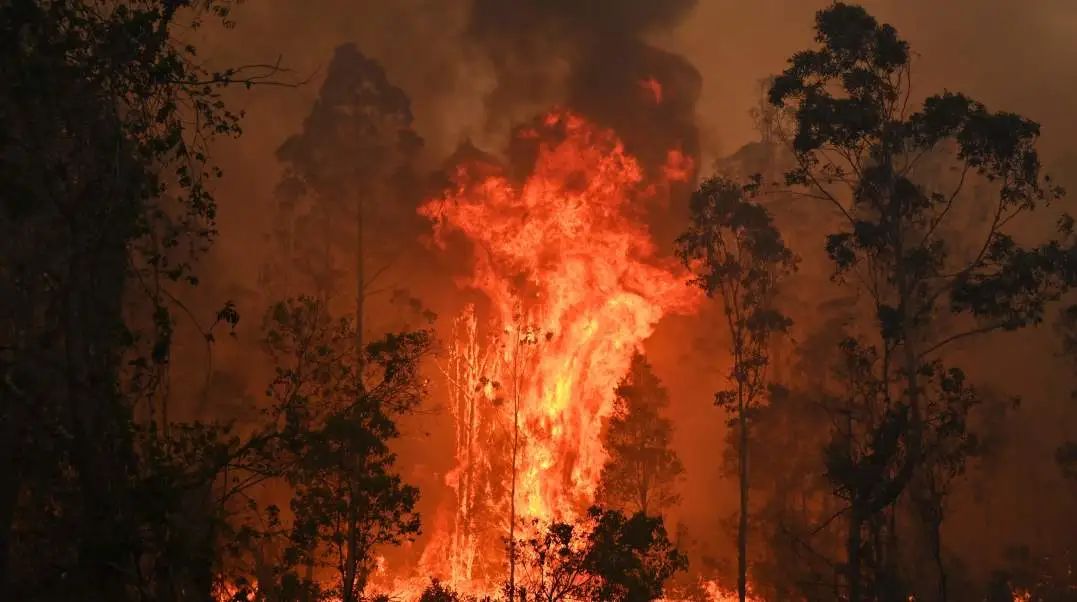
x: 475, y: 70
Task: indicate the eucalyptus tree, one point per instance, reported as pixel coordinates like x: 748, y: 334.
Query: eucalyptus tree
x: 333, y: 443
x: 910, y: 240
x: 739, y: 256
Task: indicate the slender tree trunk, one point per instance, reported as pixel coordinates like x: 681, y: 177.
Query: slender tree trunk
x: 515, y: 451
x: 742, y: 531
x: 852, y: 556
x: 108, y: 545
x: 885, y: 550
x: 10, y: 485
x: 937, y: 549
x: 360, y: 291
x: 308, y: 574
x: 351, y: 592
x: 351, y: 550
x: 9, y: 495
x: 908, y: 309
x: 881, y: 582
x: 467, y: 490
x: 204, y: 542
x: 935, y: 536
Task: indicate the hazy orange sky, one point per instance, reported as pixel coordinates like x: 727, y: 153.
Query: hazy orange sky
x: 1010, y: 54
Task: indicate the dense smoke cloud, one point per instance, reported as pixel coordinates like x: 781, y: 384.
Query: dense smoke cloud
x: 593, y: 56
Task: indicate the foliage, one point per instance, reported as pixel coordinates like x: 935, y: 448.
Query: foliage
x: 865, y: 449
x: 436, y: 592
x: 1066, y: 325
x: 336, y: 426
x: 641, y: 472
x: 106, y: 122
x: 605, y: 557
x: 907, y: 242
x: 855, y: 460
x: 738, y: 255
x: 106, y: 117
x: 858, y: 149
x: 359, y: 130
x: 350, y: 163
x: 792, y: 499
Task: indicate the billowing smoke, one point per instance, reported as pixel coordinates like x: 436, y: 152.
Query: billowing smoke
x: 593, y: 56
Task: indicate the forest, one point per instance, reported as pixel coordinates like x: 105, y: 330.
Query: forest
x: 537, y: 301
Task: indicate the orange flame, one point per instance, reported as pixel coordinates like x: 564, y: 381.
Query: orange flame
x: 678, y: 167
x: 574, y: 287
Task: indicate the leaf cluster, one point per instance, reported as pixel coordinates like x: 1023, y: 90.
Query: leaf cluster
x: 607, y: 556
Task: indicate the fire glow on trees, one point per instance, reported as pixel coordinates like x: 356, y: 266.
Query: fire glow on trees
x: 574, y: 287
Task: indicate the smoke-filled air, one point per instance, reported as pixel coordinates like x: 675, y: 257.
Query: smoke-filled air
x: 538, y: 301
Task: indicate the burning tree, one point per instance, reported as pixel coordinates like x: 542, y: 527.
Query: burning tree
x: 641, y: 472
x: 563, y: 254
x: 739, y: 256
x: 473, y: 397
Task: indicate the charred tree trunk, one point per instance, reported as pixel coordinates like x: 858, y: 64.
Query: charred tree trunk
x: 10, y: 486
x: 515, y: 453
x: 360, y: 291
x: 936, y: 550
x: 17, y: 305
x: 350, y: 576
x: 12, y: 422
x: 852, y: 556
x: 205, y: 542
x: 928, y: 500
x: 742, y: 530
x: 102, y: 447
x: 349, y: 590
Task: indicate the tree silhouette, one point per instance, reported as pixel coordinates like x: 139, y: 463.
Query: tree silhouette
x: 436, y: 592
x: 641, y: 472
x: 1066, y: 325
x: 606, y: 556
x: 107, y: 119
x: 345, y: 175
x: 861, y: 148
x: 865, y: 444
x: 340, y: 199
x: 347, y: 498
x: 739, y: 256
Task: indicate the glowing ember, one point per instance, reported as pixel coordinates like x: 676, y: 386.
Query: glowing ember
x: 716, y: 593
x: 678, y: 167
x: 574, y: 288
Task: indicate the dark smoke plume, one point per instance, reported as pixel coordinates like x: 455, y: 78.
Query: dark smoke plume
x: 592, y: 56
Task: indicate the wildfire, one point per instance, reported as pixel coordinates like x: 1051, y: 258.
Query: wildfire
x: 716, y: 593
x: 574, y: 288
x: 678, y: 166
